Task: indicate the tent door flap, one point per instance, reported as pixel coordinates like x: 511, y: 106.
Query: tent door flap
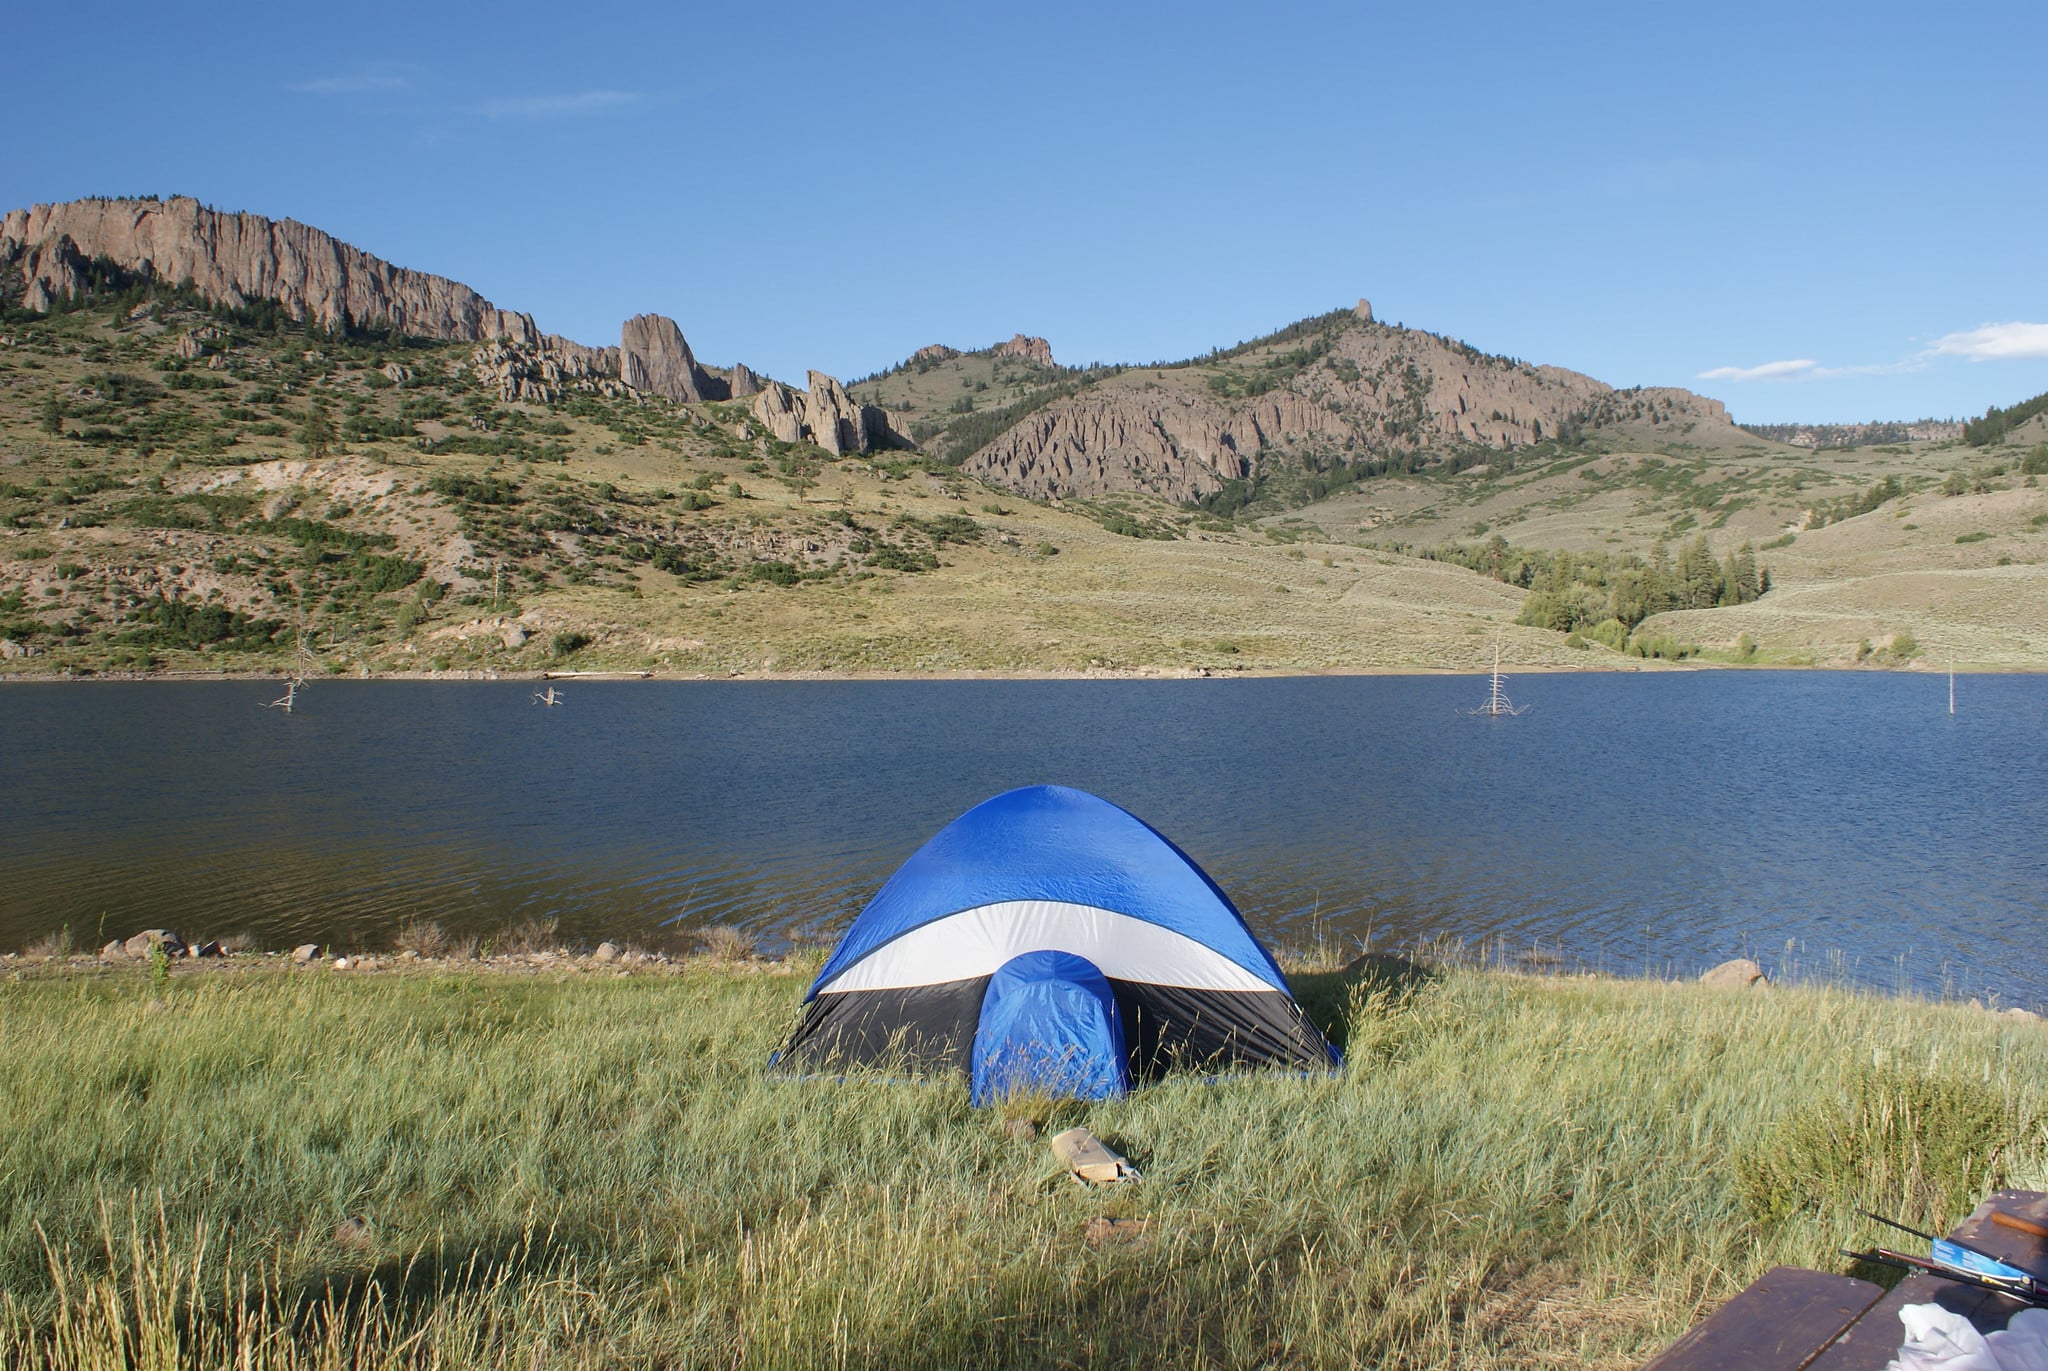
x: 1049, y: 1025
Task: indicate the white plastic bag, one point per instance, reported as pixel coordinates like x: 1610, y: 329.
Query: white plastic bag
x: 1938, y: 1340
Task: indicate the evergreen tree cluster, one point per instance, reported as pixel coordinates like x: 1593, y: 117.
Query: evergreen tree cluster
x: 1997, y: 422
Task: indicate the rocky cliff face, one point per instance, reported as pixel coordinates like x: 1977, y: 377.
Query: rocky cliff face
x: 1350, y: 390
x: 235, y: 258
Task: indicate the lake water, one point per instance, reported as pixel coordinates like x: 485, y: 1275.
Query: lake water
x: 1842, y: 822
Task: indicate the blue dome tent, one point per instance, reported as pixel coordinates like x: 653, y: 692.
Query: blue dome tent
x: 1048, y: 940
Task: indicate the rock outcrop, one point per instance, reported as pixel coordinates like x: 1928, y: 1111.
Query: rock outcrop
x: 834, y: 417
x: 232, y: 259
x: 781, y: 411
x: 1019, y: 345
x: 825, y: 415
x: 1030, y: 349
x: 655, y: 357
x: 743, y: 382
x: 541, y: 373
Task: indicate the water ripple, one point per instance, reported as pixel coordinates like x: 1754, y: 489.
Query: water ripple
x: 1652, y: 822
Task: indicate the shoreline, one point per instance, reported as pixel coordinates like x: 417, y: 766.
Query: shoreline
x: 655, y: 674
x: 562, y: 962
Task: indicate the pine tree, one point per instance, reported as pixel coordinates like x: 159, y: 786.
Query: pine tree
x: 1659, y: 594
x: 53, y: 414
x: 1748, y: 586
x: 317, y: 433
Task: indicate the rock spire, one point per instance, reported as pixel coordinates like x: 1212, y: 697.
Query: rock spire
x: 655, y: 357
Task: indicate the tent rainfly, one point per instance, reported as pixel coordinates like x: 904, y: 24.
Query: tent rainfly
x: 1047, y: 940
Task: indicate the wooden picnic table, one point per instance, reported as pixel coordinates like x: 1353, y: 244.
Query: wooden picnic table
x: 1796, y: 1320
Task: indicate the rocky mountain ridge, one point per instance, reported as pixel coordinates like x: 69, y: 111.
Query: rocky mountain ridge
x: 234, y: 258
x: 1341, y: 393
x: 1334, y: 391
x: 51, y: 253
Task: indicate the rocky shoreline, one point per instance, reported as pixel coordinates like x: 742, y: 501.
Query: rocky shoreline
x: 161, y: 950
x: 722, y: 948
x: 1602, y: 668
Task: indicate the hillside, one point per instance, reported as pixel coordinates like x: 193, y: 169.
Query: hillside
x: 195, y: 479
x: 1321, y: 403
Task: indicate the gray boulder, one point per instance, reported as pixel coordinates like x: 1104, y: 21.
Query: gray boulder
x: 306, y: 952
x: 141, y: 944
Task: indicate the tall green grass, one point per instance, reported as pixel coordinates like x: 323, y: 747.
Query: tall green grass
x: 299, y: 1169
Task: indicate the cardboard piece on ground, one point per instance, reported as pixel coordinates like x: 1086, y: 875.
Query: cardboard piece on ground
x: 1088, y: 1158
x: 1101, y: 1231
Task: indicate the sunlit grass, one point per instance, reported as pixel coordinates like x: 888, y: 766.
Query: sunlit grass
x: 456, y: 1169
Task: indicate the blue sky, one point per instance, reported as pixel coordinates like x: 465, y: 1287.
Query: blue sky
x: 1823, y: 212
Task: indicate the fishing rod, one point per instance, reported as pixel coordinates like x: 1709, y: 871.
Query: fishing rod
x: 1961, y: 1263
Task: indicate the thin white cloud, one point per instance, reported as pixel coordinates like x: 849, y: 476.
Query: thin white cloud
x: 1867, y: 369
x: 356, y: 82
x: 1989, y: 343
x: 569, y: 106
x: 1993, y: 342
x: 1801, y: 368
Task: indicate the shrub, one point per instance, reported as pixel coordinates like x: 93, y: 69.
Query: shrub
x: 1609, y: 632
x: 50, y: 945
x: 425, y: 938
x: 726, y: 943
x: 568, y: 644
x: 535, y: 933
x: 1920, y: 1146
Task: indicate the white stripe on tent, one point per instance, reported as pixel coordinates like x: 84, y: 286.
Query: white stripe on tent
x: 975, y: 942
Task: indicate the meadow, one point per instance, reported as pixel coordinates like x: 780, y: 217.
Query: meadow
x: 451, y: 1166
